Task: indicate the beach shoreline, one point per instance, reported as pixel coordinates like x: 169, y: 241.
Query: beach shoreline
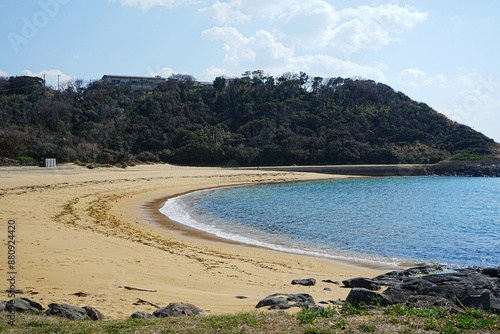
x: 96, y: 231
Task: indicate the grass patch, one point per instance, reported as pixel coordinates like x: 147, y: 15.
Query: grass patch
x: 230, y: 322
x: 431, y: 312
x: 307, y: 315
x: 465, y: 157
x: 349, y: 309
x: 397, y: 319
x: 367, y: 328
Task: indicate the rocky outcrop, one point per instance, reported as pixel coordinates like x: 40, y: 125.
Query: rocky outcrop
x: 142, y: 315
x: 72, y: 312
x: 465, y: 170
x: 361, y: 282
x: 435, y: 286
x: 67, y: 311
x: 283, y: 301
x: 358, y: 296
x: 178, y: 310
x: 304, y: 282
x: 9, y: 162
x: 93, y: 313
x: 22, y: 305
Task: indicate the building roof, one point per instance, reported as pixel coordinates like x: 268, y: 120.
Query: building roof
x: 131, y: 77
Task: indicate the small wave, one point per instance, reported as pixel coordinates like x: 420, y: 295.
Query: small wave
x: 182, y: 210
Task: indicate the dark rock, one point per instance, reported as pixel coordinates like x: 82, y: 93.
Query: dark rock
x: 93, y: 313
x: 368, y: 297
x: 443, y: 287
x: 401, y: 292
x: 178, y: 310
x: 330, y: 281
x: 23, y: 305
x: 80, y: 294
x: 327, y: 289
x: 460, y: 285
x: 284, y: 301
x: 486, y: 301
x: 425, y: 301
x: 241, y: 297
x: 395, y: 277
x: 492, y: 272
x: 67, y: 311
x: 461, y: 169
x: 332, y: 302
x: 274, y: 303
x: 142, y: 315
x: 305, y: 282
x: 361, y: 282
x: 9, y: 162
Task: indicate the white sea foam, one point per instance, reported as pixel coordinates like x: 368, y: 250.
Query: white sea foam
x: 180, y: 209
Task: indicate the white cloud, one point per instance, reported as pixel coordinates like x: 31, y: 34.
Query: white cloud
x: 416, y: 78
x: 263, y: 51
x: 316, y: 24
x: 163, y: 72
x: 3, y: 74
x: 367, y: 27
x: 439, y: 79
x: 478, y: 109
x: 324, y: 65
x: 226, y: 13
x: 148, y: 4
x: 261, y: 48
x: 51, y: 77
x: 308, y: 24
x: 214, y: 72
x: 264, y: 8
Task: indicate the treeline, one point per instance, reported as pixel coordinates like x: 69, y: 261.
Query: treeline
x: 252, y: 120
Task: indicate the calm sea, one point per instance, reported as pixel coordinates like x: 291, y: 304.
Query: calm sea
x: 450, y: 220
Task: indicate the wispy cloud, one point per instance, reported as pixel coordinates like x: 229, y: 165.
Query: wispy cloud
x: 418, y: 78
x: 148, y: 4
x: 226, y: 13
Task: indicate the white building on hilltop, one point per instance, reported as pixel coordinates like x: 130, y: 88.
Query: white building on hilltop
x: 146, y: 83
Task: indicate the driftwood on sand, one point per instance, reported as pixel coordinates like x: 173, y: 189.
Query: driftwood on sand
x: 139, y: 289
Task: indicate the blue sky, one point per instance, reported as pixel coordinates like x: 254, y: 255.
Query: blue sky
x: 443, y: 53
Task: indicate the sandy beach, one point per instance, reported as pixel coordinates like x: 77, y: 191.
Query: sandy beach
x: 95, y: 231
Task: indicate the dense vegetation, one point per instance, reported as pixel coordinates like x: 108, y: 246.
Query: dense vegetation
x: 252, y: 120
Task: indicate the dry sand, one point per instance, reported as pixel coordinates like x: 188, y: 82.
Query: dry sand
x: 96, y: 231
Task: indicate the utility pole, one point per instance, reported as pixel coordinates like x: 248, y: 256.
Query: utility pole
x: 44, y: 81
x: 58, y: 87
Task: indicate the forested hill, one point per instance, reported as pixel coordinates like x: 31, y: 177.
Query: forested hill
x: 252, y: 120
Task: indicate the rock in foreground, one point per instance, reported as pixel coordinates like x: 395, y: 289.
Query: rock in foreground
x: 284, y: 301
x: 178, y: 310
x: 477, y: 288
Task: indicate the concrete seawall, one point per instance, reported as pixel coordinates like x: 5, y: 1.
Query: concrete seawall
x: 364, y: 170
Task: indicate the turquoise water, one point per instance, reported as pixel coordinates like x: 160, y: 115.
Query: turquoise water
x: 451, y: 220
